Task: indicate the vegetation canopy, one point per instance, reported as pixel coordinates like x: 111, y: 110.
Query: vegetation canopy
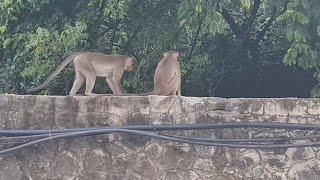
x: 230, y: 48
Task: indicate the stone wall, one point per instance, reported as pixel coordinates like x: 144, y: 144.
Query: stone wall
x: 134, y: 157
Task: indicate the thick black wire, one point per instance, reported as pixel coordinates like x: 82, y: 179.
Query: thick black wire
x: 248, y: 139
x: 170, y: 127
x: 21, y: 139
x: 18, y: 138
x: 154, y: 135
x: 9, y: 138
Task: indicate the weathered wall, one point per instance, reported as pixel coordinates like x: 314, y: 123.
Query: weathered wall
x: 134, y: 157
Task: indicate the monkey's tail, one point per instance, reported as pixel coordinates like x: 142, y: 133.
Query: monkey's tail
x: 55, y: 73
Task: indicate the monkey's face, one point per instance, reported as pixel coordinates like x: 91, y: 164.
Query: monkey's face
x: 172, y: 54
x: 129, y: 64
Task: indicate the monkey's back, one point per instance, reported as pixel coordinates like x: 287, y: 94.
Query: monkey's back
x: 101, y: 63
x: 167, y: 76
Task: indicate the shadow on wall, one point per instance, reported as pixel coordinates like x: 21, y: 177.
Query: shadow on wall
x: 271, y: 81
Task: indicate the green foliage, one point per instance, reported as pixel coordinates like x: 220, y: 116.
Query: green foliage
x: 246, y: 4
x: 116, y: 9
x: 298, y: 20
x: 43, y: 48
x: 302, y: 22
x: 41, y: 53
x: 214, y: 38
x: 193, y: 12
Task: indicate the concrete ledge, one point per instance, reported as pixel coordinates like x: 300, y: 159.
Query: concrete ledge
x: 135, y: 157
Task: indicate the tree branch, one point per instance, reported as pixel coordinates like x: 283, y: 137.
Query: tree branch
x: 233, y: 25
x: 270, y: 21
x: 266, y: 26
x: 102, y: 6
x: 195, y: 40
x: 254, y: 12
x: 247, y: 27
x: 134, y: 34
x: 125, y: 49
x: 113, y: 35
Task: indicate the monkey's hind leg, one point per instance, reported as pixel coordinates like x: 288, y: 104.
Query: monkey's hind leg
x: 77, y: 83
x: 90, y: 80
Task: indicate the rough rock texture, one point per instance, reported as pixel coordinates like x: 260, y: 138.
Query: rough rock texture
x: 134, y: 157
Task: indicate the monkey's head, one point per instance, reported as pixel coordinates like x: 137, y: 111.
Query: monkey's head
x: 172, y: 54
x: 128, y: 64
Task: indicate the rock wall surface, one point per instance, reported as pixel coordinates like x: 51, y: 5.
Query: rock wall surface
x: 120, y: 156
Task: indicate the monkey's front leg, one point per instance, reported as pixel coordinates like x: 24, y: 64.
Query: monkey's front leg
x: 116, y: 84
x: 116, y: 78
x: 111, y: 85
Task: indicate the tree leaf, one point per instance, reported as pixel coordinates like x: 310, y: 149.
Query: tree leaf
x: 246, y: 4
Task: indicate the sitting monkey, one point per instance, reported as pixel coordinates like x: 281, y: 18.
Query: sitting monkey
x: 167, y: 78
x: 89, y: 65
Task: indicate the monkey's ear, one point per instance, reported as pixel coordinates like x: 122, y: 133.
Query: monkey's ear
x: 165, y: 54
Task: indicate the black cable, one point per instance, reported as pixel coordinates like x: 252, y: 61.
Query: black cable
x: 247, y: 139
x: 170, y: 127
x: 21, y: 139
x: 154, y: 135
x: 183, y: 137
x: 9, y: 138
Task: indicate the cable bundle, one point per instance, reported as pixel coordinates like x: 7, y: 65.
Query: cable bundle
x: 32, y: 137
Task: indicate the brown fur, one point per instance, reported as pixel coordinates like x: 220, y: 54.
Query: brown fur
x: 89, y: 65
x: 167, y: 78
